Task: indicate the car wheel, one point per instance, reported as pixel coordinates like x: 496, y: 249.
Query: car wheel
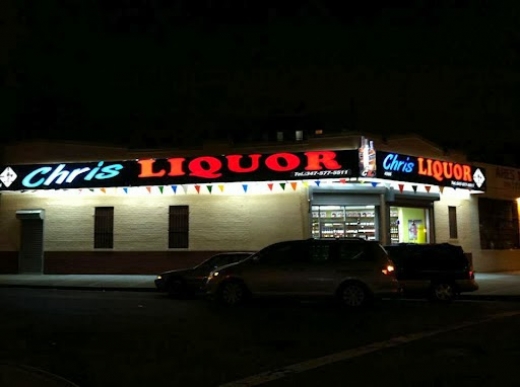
x: 442, y: 292
x: 354, y: 295
x: 176, y: 288
x: 232, y: 293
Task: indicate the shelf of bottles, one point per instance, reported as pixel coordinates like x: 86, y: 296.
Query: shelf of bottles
x: 394, y: 225
x: 344, y: 222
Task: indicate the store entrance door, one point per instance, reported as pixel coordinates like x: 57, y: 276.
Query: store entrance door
x: 410, y: 225
x: 30, y: 259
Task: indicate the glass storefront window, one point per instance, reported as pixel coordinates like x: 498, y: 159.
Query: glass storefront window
x: 345, y: 222
x: 409, y: 225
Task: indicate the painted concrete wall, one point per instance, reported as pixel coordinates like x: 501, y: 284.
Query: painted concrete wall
x: 218, y: 221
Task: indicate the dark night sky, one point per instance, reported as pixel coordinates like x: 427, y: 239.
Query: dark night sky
x: 109, y: 70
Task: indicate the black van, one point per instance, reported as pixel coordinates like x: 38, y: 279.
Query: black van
x: 440, y: 271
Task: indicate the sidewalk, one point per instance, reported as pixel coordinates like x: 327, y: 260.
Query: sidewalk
x: 492, y: 285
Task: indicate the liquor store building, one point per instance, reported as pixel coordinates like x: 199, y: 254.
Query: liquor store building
x: 116, y: 211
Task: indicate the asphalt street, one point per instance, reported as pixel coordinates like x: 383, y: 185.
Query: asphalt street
x: 95, y: 338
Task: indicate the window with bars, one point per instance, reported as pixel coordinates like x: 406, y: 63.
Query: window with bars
x: 452, y: 215
x: 104, y: 228
x: 499, y: 227
x: 178, y: 227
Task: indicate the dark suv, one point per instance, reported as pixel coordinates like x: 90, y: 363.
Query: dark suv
x: 439, y: 271
x: 353, y: 270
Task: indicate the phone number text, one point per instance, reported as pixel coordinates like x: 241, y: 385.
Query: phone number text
x: 338, y: 172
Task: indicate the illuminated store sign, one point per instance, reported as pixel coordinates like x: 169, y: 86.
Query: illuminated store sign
x: 429, y: 171
x: 59, y: 175
x: 181, y: 170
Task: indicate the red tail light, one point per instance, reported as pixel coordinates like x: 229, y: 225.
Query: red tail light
x: 389, y: 269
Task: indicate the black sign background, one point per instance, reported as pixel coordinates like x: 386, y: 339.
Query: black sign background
x: 414, y: 177
x: 128, y: 175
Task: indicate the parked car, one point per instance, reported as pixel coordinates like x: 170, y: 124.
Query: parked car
x: 189, y: 281
x: 440, y: 271
x: 355, y: 271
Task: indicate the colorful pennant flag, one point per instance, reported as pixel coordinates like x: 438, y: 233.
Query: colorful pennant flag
x: 125, y: 189
x: 441, y: 189
x: 414, y: 187
x: 185, y: 188
x: 374, y: 184
x: 91, y: 189
x: 427, y: 188
x: 305, y: 183
x: 161, y: 189
x: 210, y: 188
x: 318, y: 182
x: 270, y: 185
x: 149, y: 189
x: 282, y: 185
x: 174, y: 189
x: 221, y: 187
x: 244, y: 187
x: 401, y: 187
x: 197, y: 188
x: 343, y: 181
x: 294, y: 184
x: 103, y: 190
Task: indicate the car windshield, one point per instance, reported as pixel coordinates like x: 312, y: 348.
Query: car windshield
x: 221, y: 260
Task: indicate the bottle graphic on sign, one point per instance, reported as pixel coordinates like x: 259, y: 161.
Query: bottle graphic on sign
x: 367, y: 158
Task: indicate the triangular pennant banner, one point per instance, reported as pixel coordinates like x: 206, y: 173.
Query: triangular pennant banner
x: 270, y: 185
x: 244, y: 187
x: 149, y: 189
x: 441, y: 189
x: 161, y: 189
x: 294, y: 185
x: 318, y: 182
x: 79, y: 190
x: 282, y: 185
x: 125, y: 189
x: 374, y: 184
x: 185, y: 188
x: 91, y: 189
x: 174, y: 189
x: 305, y: 183
x: 103, y: 190
x: 221, y: 187
x: 343, y: 181
x: 427, y: 188
x: 210, y: 188
x: 414, y: 187
x: 401, y: 187
x: 388, y: 185
x: 362, y: 181
x: 197, y: 188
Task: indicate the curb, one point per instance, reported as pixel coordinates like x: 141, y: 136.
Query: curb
x: 90, y: 288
